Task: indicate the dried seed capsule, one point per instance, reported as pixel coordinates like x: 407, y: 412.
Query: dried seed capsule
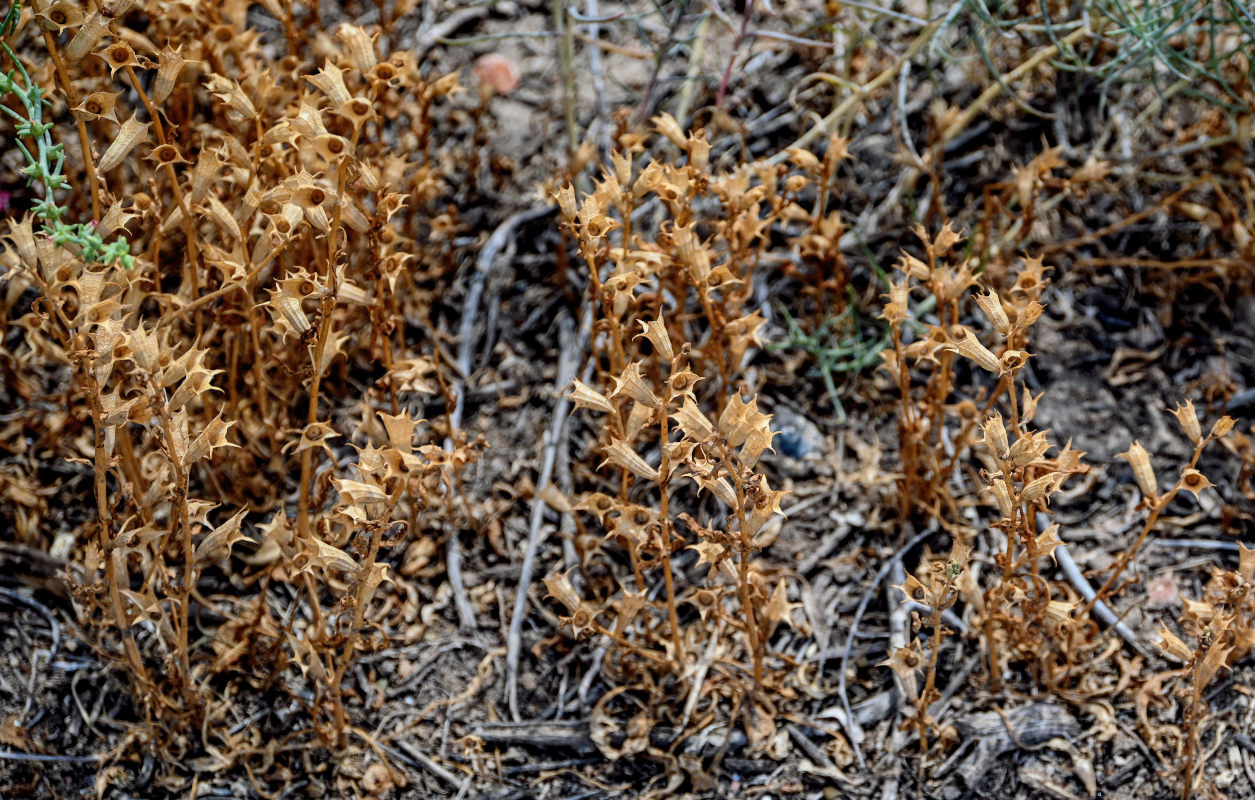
x: 113, y: 219
x: 666, y: 124
x: 566, y: 202
x: 991, y: 304
x: 206, y: 169
x: 97, y: 105
x: 353, y: 218
x: 657, y: 334
x: 995, y: 431
x: 331, y: 147
x: 1042, y: 488
x: 585, y: 397
x: 631, y: 383
x: 1221, y: 428
x: 170, y: 63
x: 387, y: 73
x: 1028, y: 448
x: 965, y: 342
x: 359, y: 48
x: 1003, y: 497
x: 59, y: 16
x: 216, y: 211
x: 1139, y: 459
x: 131, y: 134
x: 624, y: 457
x: 119, y: 56
x: 1194, y: 481
x: 290, y: 308
x: 230, y: 93
x: 88, y: 34
x: 357, y: 111
x: 166, y: 154
x: 1059, y: 612
x: 699, y: 151
x: 1013, y: 360
x: 1187, y: 418
x: 330, y: 81
x: 22, y: 235
x: 308, y: 122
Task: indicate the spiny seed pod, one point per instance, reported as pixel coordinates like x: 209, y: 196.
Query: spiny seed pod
x: 1041, y: 488
x: 963, y: 340
x: 1143, y: 472
x: 631, y: 383
x: 585, y: 397
x: 230, y: 93
x: 1187, y: 418
x: 1028, y: 448
x: 656, y: 332
x: 359, y: 48
x: 170, y: 63
x: 330, y: 81
x: 119, y: 55
x: 59, y: 16
x: 621, y: 455
x: 132, y: 133
x: 995, y: 431
x: 88, y: 34
x: 991, y: 304
x: 1194, y: 481
x: 667, y: 125
x: 1002, y: 496
x: 97, y: 105
x: 166, y: 155
x: 1013, y: 360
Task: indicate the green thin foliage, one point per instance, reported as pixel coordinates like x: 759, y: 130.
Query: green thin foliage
x: 1202, y: 48
x: 46, y: 158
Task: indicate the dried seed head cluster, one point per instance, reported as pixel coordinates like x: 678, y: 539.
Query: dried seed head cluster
x: 1027, y: 616
x: 679, y: 439
x: 258, y: 518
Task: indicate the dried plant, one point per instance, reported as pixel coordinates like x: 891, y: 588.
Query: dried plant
x: 227, y: 299
x: 260, y: 249
x: 671, y: 337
